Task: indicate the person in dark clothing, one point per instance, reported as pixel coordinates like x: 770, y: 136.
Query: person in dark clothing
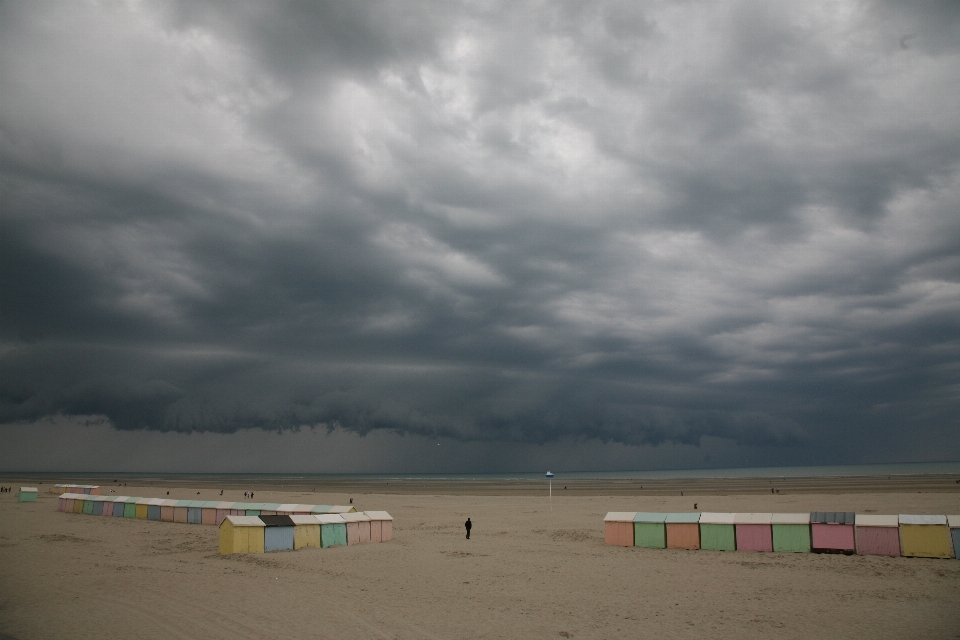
x: 468, y: 525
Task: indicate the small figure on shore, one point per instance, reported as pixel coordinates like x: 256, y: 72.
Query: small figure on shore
x: 694, y: 506
x: 221, y: 491
x: 468, y: 525
x: 244, y: 494
x: 351, y: 500
x: 168, y: 493
x: 251, y: 495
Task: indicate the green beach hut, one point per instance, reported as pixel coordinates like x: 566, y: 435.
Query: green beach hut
x: 791, y: 532
x: 717, y: 532
x: 27, y: 494
x: 333, y: 530
x: 649, y: 530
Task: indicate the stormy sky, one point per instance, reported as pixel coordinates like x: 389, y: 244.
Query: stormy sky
x: 335, y: 236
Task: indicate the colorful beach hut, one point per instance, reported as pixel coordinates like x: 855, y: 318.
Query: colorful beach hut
x: 925, y: 537
x: 208, y: 512
x: 649, y: 530
x: 618, y: 528
x: 195, y: 512
x: 97, y: 505
x: 833, y: 532
x: 321, y: 508
x: 143, y: 508
x: 683, y: 530
x: 381, y: 526
x: 791, y: 532
x: 27, y: 494
x: 181, y: 511
x: 253, y: 508
x: 717, y: 531
x: 877, y: 535
x: 88, y: 502
x: 339, y: 508
x: 277, y: 533
x: 154, y: 506
x: 333, y: 529
x: 306, y: 531
x: 166, y: 510
x: 953, y: 522
x: 754, y: 531
x: 241, y: 534
x: 269, y: 509
x: 358, y: 527
x: 107, y: 509
x: 120, y: 506
x: 224, y: 509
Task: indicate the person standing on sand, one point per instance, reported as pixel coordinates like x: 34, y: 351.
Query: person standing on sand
x: 468, y: 525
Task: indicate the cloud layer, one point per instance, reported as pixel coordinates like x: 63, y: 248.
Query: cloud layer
x: 637, y: 224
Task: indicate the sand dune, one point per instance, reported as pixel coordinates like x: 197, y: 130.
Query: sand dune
x: 527, y: 572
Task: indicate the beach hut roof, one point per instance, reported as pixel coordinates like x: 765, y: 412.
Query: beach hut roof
x: 355, y: 517
x: 143, y: 500
x: 121, y: 498
x: 70, y: 496
x: 753, y: 518
x: 329, y: 518
x: 243, y: 521
x: 379, y: 515
x: 908, y: 519
x: 684, y: 517
x: 277, y: 521
x: 303, y: 508
x: 226, y: 505
x: 708, y: 517
x: 183, y: 503
x: 790, y: 518
x: 321, y: 508
x: 303, y: 518
x: 270, y: 506
x: 211, y: 504
x: 832, y: 517
x: 169, y: 503
x: 287, y: 507
x: 620, y: 516
x: 29, y: 489
x: 646, y: 516
x: 870, y: 520
x: 342, y: 509
x: 254, y: 506
x: 954, y: 523
x: 156, y: 502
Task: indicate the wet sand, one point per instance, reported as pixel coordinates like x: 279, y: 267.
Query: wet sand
x: 529, y: 571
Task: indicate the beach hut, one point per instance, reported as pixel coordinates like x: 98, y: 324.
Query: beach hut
x: 78, y: 501
x: 208, y: 512
x: 277, y: 533
x: 97, y: 505
x: 143, y: 508
x: 877, y: 535
x: 333, y: 529
x: 130, y: 507
x: 321, y: 508
x: 358, y: 527
x: 107, y: 506
x: 381, y: 526
x: 306, y: 531
x: 195, y: 512
x: 154, y: 506
x: 717, y: 531
x: 339, y: 508
x: 119, y: 504
x: 925, y: 537
x: 833, y: 532
x: 241, y: 534
x: 27, y: 494
x: 953, y: 522
x: 649, y: 530
x: 88, y: 505
x: 791, y: 532
x: 754, y: 531
x: 683, y: 530
x: 61, y: 503
x: 252, y: 508
x: 224, y: 509
x: 618, y: 528
x: 181, y: 511
x: 287, y: 509
x: 269, y: 508
x: 166, y: 510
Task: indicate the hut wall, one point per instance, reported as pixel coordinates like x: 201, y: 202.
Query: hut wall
x: 153, y: 512
x: 166, y: 513
x: 268, y: 513
x: 88, y: 507
x: 878, y: 541
x: 833, y: 537
x: 78, y: 505
x: 194, y: 515
x: 118, y: 508
x: 26, y: 496
x: 365, y: 531
x: 61, y: 504
x: 375, y: 530
x: 754, y: 537
x: 107, y: 509
x: 222, y: 514
x: 278, y: 539
x: 926, y: 541
x: 98, y: 508
x: 333, y: 535
x: 130, y: 510
x: 181, y: 514
x: 651, y: 535
x: 353, y: 533
x: 793, y: 538
x: 955, y: 535
x: 208, y: 516
x: 618, y: 533
x: 386, y: 530
x: 683, y: 535
x: 142, y: 511
x: 718, y: 537
x: 306, y: 535
x: 251, y: 512
x: 95, y: 491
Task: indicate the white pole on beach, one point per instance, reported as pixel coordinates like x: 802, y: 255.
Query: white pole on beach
x: 550, y: 478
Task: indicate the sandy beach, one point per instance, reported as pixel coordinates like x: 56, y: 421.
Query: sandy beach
x: 531, y: 570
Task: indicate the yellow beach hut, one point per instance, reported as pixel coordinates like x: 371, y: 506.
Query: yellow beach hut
x: 306, y: 531
x: 241, y: 534
x: 925, y: 536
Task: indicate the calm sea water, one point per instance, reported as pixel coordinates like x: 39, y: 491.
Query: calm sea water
x: 915, y: 468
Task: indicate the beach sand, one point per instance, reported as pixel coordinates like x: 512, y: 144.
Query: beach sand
x: 529, y: 571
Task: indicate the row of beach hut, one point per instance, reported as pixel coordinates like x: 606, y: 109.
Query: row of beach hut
x: 186, y: 511
x: 90, y: 489
x: 921, y: 536
x: 264, y: 534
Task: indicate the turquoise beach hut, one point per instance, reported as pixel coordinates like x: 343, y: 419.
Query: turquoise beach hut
x: 333, y: 530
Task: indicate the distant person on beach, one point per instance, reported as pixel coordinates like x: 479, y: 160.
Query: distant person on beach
x: 244, y: 494
x: 221, y: 491
x: 468, y: 525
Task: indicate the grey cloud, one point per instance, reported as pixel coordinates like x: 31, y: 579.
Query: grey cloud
x: 653, y: 225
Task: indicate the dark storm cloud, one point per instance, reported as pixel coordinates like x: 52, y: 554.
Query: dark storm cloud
x: 641, y: 224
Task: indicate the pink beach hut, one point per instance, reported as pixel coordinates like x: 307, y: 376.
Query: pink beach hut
x: 288, y: 509
x: 618, y: 528
x: 167, y: 510
x: 181, y: 511
x: 224, y: 509
x: 358, y: 527
x: 208, y: 512
x: 833, y: 532
x: 754, y: 531
x: 877, y: 535
x: 107, y: 506
x: 381, y: 526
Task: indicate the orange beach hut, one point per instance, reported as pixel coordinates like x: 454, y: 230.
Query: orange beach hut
x: 358, y: 527
x: 683, y: 530
x: 618, y: 528
x: 381, y: 526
